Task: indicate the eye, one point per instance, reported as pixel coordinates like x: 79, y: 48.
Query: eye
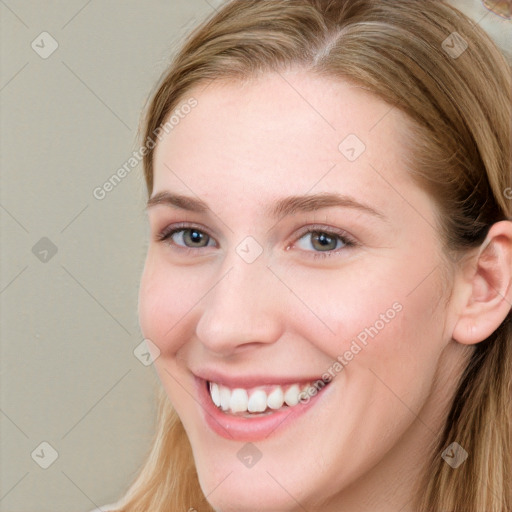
x: 319, y: 242
x: 324, y: 243
x: 186, y: 237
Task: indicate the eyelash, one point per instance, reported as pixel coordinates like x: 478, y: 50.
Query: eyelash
x: 166, y: 234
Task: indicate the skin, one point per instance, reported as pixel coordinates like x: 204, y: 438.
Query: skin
x: 287, y: 314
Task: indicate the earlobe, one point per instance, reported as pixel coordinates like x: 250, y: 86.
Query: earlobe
x: 486, y: 290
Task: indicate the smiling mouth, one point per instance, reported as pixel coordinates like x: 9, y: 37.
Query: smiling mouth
x: 260, y: 401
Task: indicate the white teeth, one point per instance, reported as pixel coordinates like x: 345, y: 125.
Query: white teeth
x: 291, y: 397
x: 239, y: 401
x: 215, y: 393
x: 225, y: 397
x: 276, y: 399
x: 258, y: 401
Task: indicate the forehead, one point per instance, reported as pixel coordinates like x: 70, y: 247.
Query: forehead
x: 282, y: 132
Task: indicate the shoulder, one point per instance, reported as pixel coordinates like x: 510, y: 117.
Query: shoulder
x: 105, y: 508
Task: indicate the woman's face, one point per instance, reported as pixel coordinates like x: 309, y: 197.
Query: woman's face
x: 289, y: 245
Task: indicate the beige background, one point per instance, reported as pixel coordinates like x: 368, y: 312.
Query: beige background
x: 69, y: 326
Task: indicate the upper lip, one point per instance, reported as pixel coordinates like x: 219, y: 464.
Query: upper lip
x: 251, y: 381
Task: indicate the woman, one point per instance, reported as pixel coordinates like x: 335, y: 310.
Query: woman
x: 328, y: 285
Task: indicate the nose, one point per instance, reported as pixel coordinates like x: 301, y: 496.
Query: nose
x: 243, y: 309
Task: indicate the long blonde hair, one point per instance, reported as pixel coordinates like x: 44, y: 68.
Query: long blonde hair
x: 460, y: 108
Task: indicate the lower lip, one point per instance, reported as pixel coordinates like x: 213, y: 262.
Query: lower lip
x: 238, y: 428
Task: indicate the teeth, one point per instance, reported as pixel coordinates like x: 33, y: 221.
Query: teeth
x: 225, y: 398
x: 239, y: 400
x: 291, y: 397
x: 258, y: 401
x: 215, y: 393
x: 276, y: 399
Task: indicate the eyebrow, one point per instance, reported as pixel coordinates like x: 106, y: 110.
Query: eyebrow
x: 283, y: 207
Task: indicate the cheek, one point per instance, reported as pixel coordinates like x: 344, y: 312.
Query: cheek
x: 380, y: 313
x: 165, y: 298
x: 383, y: 317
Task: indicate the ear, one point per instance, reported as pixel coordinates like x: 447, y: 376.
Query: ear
x: 484, y: 292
